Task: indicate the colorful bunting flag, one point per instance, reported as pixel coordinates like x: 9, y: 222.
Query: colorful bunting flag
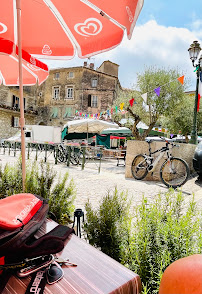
x: 181, y: 80
x: 196, y: 68
x: 144, y: 97
x: 121, y: 105
x: 157, y: 91
x: 131, y: 101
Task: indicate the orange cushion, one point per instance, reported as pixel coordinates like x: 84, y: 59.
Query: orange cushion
x: 183, y: 276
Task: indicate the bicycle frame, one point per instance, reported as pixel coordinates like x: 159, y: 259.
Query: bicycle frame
x: 162, y: 150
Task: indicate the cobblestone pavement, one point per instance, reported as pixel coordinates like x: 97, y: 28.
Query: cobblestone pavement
x: 92, y: 185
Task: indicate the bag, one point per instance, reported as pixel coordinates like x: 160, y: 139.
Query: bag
x: 21, y: 216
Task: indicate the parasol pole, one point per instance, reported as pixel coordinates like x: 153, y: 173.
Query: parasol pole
x: 22, y: 119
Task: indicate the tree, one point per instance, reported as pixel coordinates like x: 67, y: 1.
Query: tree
x: 171, y: 96
x: 181, y: 118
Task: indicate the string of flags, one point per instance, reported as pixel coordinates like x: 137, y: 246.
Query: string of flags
x: 108, y: 113
x: 157, y: 90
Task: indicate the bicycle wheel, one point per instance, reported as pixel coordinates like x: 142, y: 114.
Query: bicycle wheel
x: 139, y: 167
x: 74, y: 159
x: 174, y: 172
x: 61, y: 155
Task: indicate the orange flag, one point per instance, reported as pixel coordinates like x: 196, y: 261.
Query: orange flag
x: 181, y: 80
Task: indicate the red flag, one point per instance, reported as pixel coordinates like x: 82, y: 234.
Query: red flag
x: 181, y: 80
x: 199, y: 94
x: 131, y: 101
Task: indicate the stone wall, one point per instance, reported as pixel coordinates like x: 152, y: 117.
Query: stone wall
x: 184, y: 151
x: 6, y: 129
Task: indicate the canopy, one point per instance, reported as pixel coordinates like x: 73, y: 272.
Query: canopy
x: 94, y: 126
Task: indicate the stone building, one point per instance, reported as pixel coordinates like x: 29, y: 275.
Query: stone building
x: 80, y: 89
x: 10, y: 109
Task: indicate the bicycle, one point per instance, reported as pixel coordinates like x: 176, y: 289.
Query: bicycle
x: 174, y: 171
x: 63, y: 153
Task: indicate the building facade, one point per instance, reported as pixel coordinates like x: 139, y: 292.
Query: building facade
x: 66, y: 92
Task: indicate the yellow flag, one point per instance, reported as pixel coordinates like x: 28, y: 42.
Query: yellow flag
x: 121, y: 105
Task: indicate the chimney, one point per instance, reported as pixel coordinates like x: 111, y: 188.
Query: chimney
x: 85, y: 63
x: 92, y: 65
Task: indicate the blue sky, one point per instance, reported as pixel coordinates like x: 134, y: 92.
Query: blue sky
x: 163, y: 33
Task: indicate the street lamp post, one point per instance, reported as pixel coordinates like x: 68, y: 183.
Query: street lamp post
x: 194, y: 51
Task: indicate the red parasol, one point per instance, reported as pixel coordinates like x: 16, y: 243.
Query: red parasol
x: 58, y: 29
x: 33, y: 69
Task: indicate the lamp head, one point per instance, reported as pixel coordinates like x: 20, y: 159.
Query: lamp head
x: 194, y: 51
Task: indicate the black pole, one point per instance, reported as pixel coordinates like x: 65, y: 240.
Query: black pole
x: 194, y: 128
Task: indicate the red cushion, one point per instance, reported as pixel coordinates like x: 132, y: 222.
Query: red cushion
x: 17, y: 210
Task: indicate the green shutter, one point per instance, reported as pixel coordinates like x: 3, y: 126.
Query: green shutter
x: 54, y: 113
x: 68, y: 112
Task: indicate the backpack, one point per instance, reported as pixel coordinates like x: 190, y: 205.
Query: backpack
x: 21, y: 216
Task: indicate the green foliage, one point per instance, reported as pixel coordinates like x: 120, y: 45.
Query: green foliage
x: 108, y: 227
x: 160, y: 233
x: 181, y: 117
x: 164, y: 231
x: 171, y: 97
x: 40, y: 180
x: 171, y: 90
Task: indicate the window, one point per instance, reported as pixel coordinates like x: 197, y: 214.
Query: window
x: 94, y: 101
x: 69, y: 92
x: 94, y: 82
x: 71, y: 74
x: 15, y: 121
x: 56, y: 76
x: 16, y: 102
x: 56, y: 93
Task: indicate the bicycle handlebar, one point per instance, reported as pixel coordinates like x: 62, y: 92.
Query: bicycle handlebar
x: 166, y: 140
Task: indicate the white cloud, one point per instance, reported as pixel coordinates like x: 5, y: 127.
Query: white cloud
x: 151, y: 44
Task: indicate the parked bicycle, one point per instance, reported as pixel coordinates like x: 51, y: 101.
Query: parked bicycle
x: 72, y: 152
x: 174, y: 171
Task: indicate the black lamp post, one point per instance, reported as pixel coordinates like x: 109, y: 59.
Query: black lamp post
x: 194, y: 51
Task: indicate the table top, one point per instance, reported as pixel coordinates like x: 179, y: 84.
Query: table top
x: 96, y: 273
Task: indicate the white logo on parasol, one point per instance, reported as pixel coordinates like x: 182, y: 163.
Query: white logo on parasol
x: 130, y: 15
x: 85, y: 29
x: 46, y: 50
x: 32, y: 67
x: 3, y: 28
x: 32, y: 60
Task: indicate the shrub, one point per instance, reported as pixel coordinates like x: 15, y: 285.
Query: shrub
x: 160, y: 233
x: 108, y: 226
x: 40, y: 180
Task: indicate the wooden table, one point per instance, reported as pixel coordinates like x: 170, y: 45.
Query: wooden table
x: 96, y: 273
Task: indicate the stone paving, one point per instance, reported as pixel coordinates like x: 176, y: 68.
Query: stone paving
x: 92, y: 185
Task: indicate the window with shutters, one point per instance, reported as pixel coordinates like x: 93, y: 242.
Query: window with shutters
x: 15, y: 122
x: 56, y: 93
x: 94, y: 82
x: 71, y: 74
x: 69, y: 92
x: 56, y: 76
x: 54, y: 113
x: 16, y: 102
x: 94, y: 101
x: 89, y: 100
